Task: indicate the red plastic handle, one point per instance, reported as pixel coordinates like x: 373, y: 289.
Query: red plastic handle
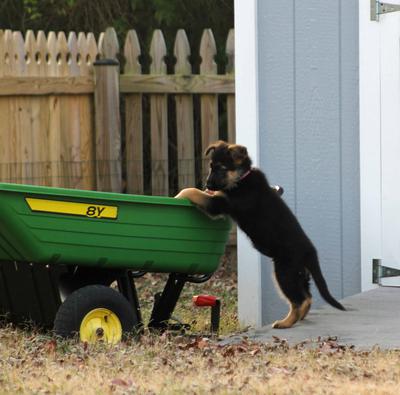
x: 204, y: 300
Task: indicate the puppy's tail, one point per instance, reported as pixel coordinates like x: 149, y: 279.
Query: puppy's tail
x: 312, y: 265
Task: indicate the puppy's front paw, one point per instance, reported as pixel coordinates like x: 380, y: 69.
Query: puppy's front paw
x: 185, y: 193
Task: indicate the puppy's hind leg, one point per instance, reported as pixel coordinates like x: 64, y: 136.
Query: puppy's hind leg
x: 292, y: 317
x: 292, y: 288
x: 305, y: 307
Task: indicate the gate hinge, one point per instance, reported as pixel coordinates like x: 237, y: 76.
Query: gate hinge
x: 379, y: 8
x: 379, y: 271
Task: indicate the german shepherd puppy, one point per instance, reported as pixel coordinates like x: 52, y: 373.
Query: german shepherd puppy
x: 243, y: 192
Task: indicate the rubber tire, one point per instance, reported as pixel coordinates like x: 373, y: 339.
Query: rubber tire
x: 80, y: 302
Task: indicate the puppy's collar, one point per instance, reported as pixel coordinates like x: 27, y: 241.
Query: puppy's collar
x: 245, y: 175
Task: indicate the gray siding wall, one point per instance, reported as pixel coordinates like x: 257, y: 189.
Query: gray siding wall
x: 309, y: 131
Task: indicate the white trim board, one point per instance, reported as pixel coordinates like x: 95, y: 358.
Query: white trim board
x: 247, y: 133
x: 370, y: 152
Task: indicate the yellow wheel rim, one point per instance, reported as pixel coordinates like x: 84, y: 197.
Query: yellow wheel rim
x: 101, y: 325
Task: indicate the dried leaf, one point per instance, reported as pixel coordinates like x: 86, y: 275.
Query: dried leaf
x: 228, y: 352
x: 278, y: 340
x: 241, y: 348
x: 203, y: 343
x: 255, y: 352
x: 121, y: 382
x: 51, y: 346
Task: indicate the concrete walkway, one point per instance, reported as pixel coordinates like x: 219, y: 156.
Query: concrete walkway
x: 372, y: 319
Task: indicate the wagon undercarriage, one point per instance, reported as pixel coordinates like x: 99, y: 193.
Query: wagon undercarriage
x: 41, y: 289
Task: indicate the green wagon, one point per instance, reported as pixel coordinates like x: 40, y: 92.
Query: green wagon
x: 61, y: 249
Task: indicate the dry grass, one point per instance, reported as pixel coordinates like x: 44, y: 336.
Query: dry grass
x: 32, y: 363
x: 36, y: 363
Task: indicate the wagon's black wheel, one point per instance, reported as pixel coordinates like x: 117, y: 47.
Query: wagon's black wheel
x: 97, y: 313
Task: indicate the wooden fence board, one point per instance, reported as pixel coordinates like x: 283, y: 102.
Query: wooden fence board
x: 9, y: 121
x: 67, y: 115
x: 133, y: 119
x: 12, y: 69
x: 159, y: 120
x: 178, y: 84
x: 8, y: 108
x: 92, y: 52
x: 208, y: 102
x: 54, y: 147
x: 87, y: 49
x: 80, y: 85
x: 44, y: 86
x: 184, y: 116
x: 5, y: 155
x: 87, y: 149
x: 4, y: 132
x: 37, y: 123
x: 78, y: 124
x: 23, y: 134
x: 40, y: 117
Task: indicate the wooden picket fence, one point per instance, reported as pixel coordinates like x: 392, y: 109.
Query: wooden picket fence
x: 72, y: 116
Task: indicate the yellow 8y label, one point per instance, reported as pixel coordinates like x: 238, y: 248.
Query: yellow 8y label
x: 72, y: 208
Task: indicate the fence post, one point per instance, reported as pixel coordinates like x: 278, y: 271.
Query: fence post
x: 107, y: 125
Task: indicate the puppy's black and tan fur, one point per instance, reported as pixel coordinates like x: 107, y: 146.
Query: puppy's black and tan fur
x: 243, y: 193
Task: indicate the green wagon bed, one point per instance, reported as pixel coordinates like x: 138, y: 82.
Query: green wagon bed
x: 55, y: 242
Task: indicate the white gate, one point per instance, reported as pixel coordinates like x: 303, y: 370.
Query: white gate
x: 380, y: 137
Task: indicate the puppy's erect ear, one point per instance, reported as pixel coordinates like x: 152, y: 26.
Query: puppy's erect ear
x: 213, y: 146
x: 239, y: 153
